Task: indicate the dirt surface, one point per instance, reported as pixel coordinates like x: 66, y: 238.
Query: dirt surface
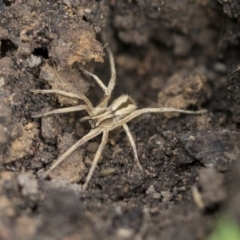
x: 181, y: 54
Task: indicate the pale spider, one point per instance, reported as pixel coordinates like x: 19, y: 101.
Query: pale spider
x: 103, y: 118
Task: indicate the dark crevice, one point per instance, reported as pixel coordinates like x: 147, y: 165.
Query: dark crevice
x: 8, y: 3
x: 84, y: 18
x: 41, y: 52
x: 6, y: 46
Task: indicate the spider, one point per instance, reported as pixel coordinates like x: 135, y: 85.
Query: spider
x: 103, y: 118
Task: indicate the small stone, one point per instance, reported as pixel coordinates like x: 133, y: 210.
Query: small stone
x: 28, y: 184
x: 153, y: 193
x: 167, y: 196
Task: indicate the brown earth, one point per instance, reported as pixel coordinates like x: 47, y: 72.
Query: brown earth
x: 181, y: 54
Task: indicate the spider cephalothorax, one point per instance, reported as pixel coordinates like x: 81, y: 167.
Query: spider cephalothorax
x: 111, y: 115
x: 104, y: 118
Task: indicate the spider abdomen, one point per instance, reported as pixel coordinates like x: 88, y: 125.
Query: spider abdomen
x: 122, y: 106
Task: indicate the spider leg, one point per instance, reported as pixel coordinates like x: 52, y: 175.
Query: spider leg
x: 93, y: 133
x: 161, y: 110
x: 139, y: 112
x: 96, y: 158
x: 62, y: 110
x: 66, y: 94
x: 111, y: 83
x: 112, y: 80
x: 131, y: 140
x: 97, y: 79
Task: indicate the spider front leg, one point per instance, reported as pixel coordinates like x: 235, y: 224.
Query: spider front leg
x: 96, y: 158
x: 97, y: 79
x: 112, y: 80
x: 62, y: 110
x: 67, y: 94
x: 93, y: 133
x: 107, y: 90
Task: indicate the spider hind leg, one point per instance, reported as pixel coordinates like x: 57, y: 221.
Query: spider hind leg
x: 131, y: 140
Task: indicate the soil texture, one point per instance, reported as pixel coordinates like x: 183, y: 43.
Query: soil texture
x: 181, y: 54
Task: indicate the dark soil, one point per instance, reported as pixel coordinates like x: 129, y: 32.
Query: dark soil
x: 181, y: 54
